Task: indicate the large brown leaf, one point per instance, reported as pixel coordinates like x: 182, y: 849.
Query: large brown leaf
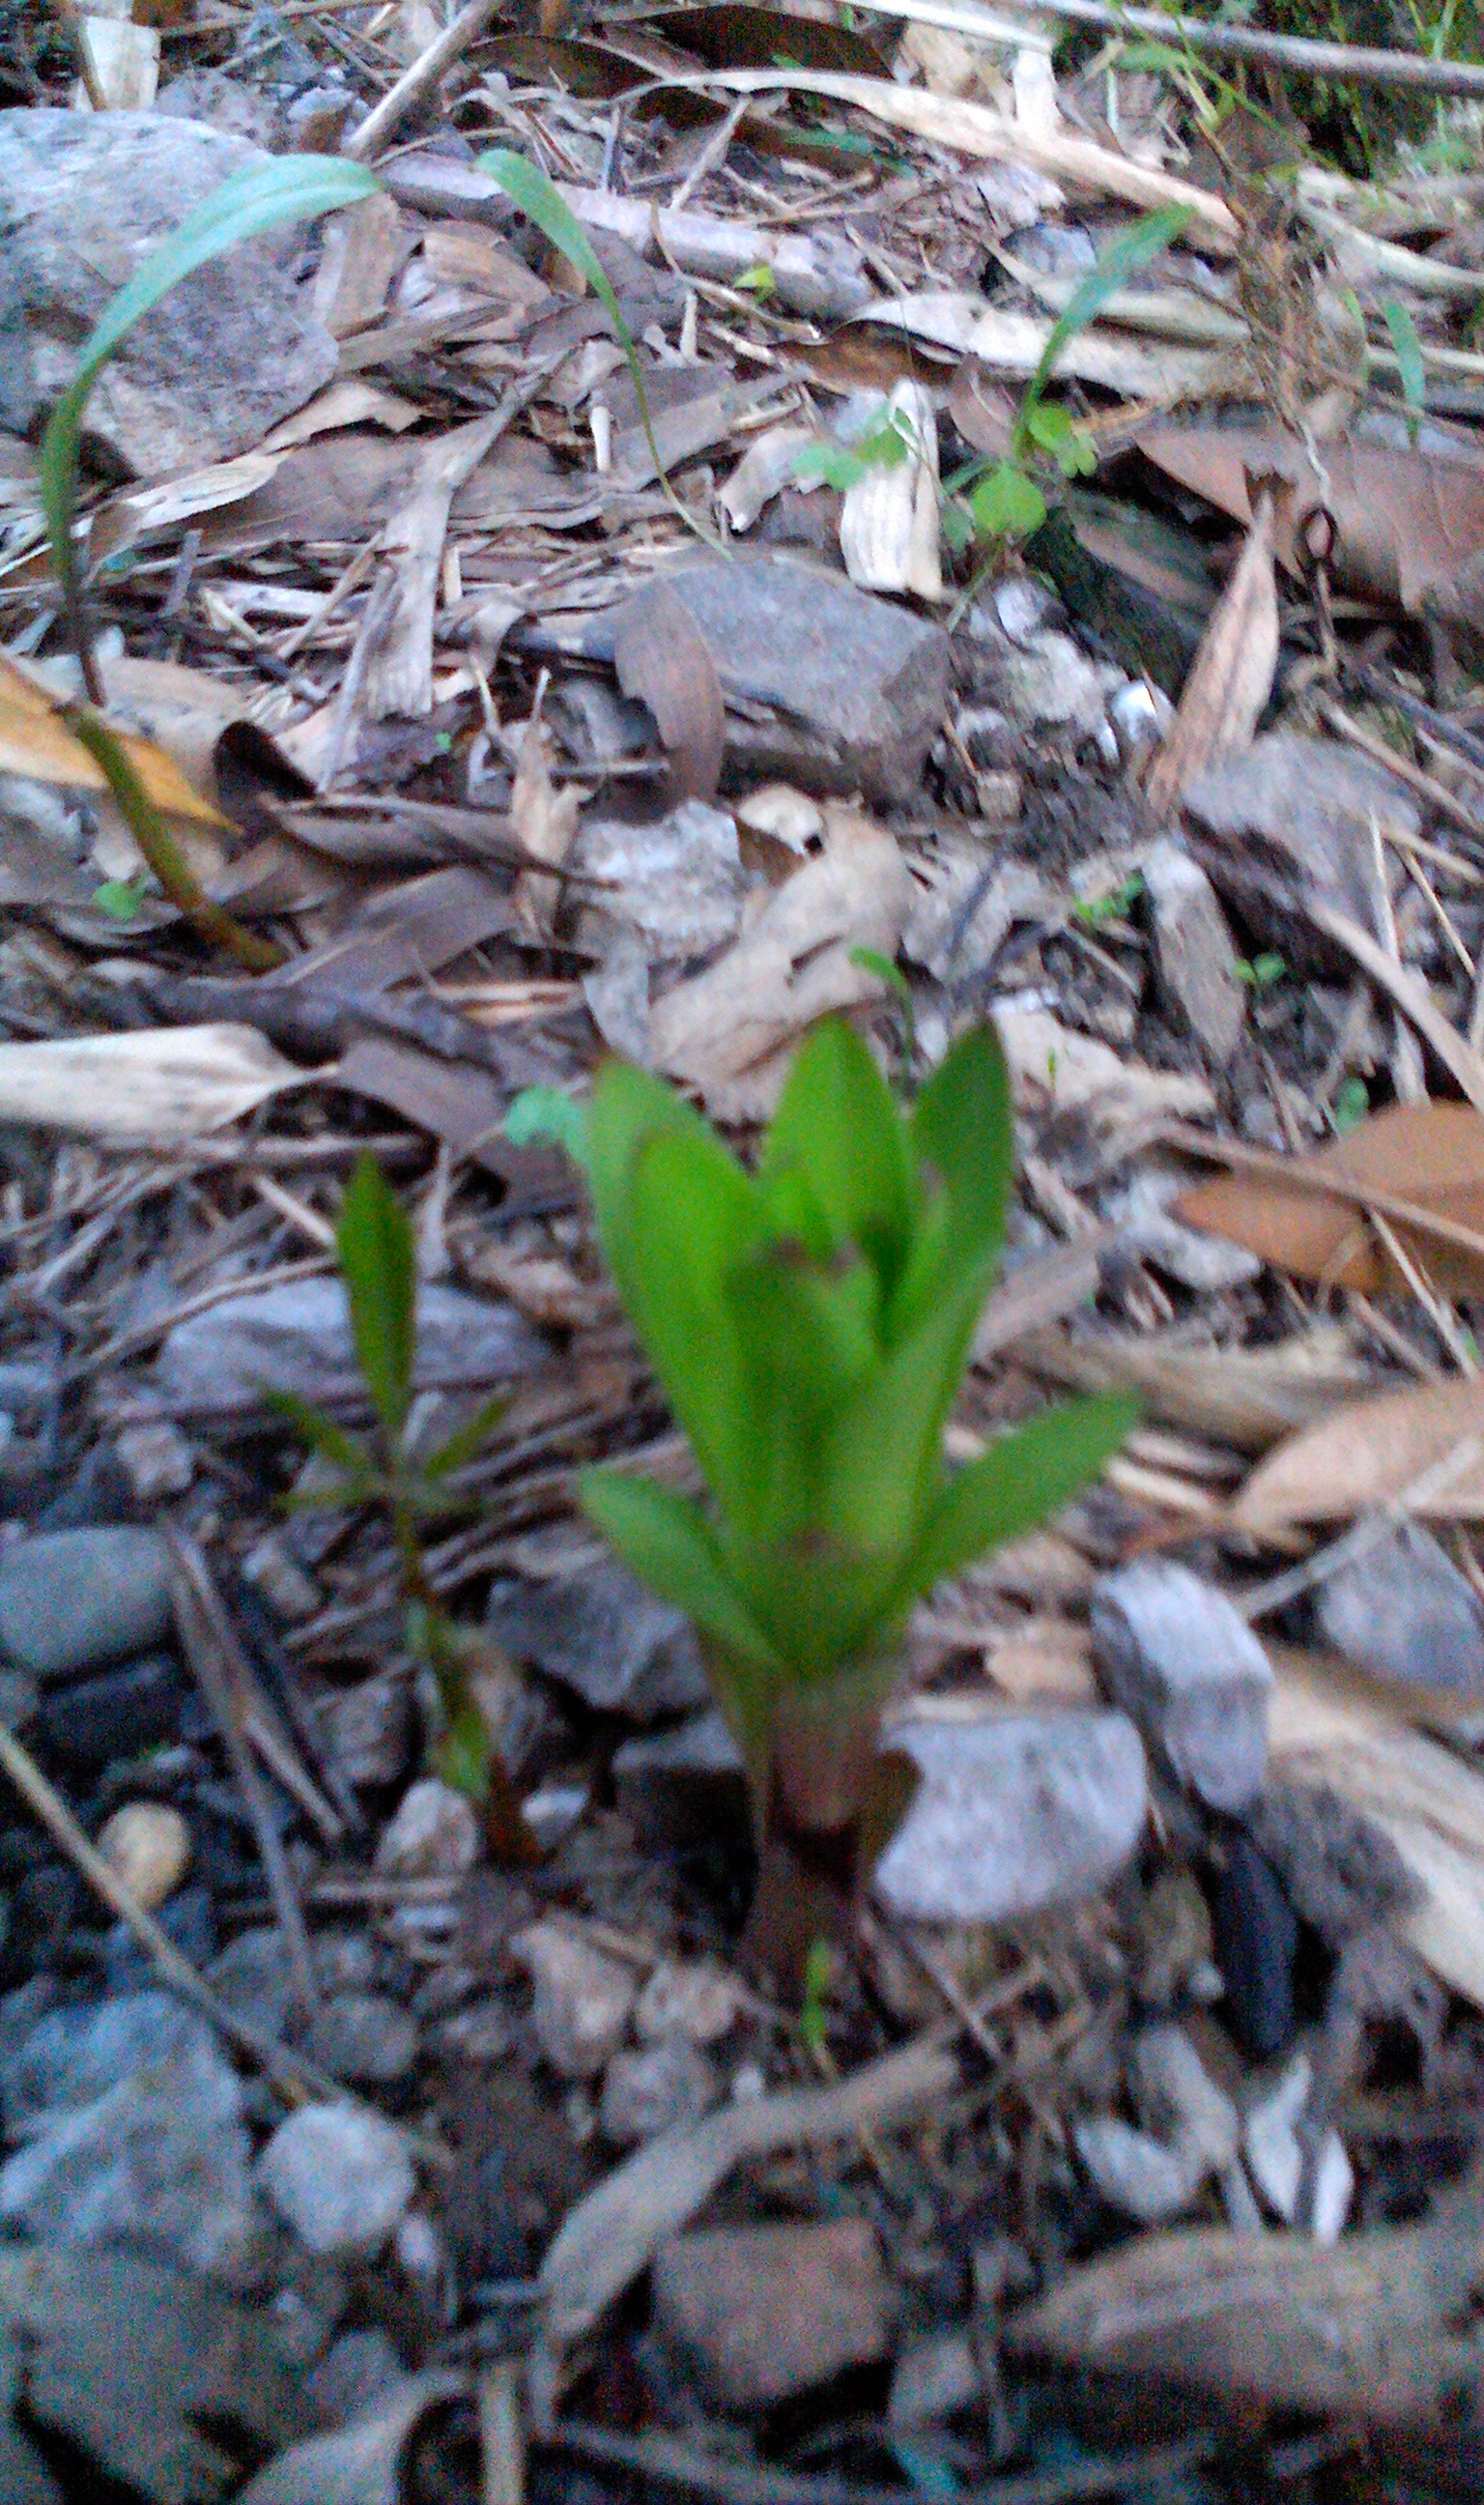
x: 1410, y: 522
x: 1369, y: 1451
x: 662, y: 658
x: 1428, y: 1156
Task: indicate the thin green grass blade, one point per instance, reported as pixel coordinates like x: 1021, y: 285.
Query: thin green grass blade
x: 1142, y: 244
x: 1408, y: 348
x: 374, y: 1245
x: 248, y: 204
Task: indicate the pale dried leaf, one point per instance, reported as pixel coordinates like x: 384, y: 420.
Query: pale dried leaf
x: 1232, y: 677
x: 888, y: 524
x: 544, y: 822
x: 399, y: 677
x: 1013, y: 343
x: 167, y: 1085
x: 728, y: 1032
x: 1365, y: 1454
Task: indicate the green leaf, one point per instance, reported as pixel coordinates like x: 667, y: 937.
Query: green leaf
x: 119, y: 898
x: 543, y: 1115
x: 1133, y: 251
x: 838, y: 1124
x: 667, y: 1542
x: 1352, y: 1103
x: 260, y: 197
x: 374, y: 1244
x: 695, y: 1216
x: 322, y: 1434
x: 627, y: 1107
x: 1408, y: 348
x: 1019, y: 1481
x: 883, y: 1454
x: 1007, y: 505
x: 538, y: 199
x: 837, y: 466
x: 963, y: 1128
x: 464, y: 1444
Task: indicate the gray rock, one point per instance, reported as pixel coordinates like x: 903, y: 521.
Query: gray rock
x: 71, y: 1601
x: 1013, y: 1813
x: 1180, y: 2102
x: 1401, y: 1607
x: 296, y: 1338
x: 133, y: 2134
x: 1135, y: 2175
x: 359, y: 2374
x: 134, y: 2361
x: 768, y: 2311
x: 364, y: 2039
x: 677, y: 882
x: 1176, y: 1655
x: 1194, y: 953
x: 684, y: 1786
x: 17, y: 376
x: 229, y: 352
x: 582, y: 1999
x: 368, y: 1730
x: 434, y: 1835
x: 339, y: 2177
x: 252, y: 1978
x: 601, y: 1634
x: 661, y: 2088
x: 361, y: 2463
x: 1286, y: 823
x: 24, y: 2478
x: 1205, y: 1263
x: 855, y: 686
x: 934, y: 2379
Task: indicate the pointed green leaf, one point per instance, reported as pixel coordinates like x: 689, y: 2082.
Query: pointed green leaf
x: 260, y: 197
x: 1020, y: 1480
x: 1133, y: 250
x: 628, y: 1106
x: 964, y: 1127
x: 667, y: 1542
x: 883, y: 1458
x: 374, y: 1244
x: 322, y: 1434
x: 695, y: 1216
x: 465, y: 1443
x: 837, y: 1123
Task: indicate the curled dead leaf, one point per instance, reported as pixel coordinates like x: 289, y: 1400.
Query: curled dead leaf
x: 662, y: 658
x: 167, y: 1085
x: 1365, y: 1455
x: 1232, y: 677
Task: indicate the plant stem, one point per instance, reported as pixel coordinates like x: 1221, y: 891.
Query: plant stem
x: 159, y: 846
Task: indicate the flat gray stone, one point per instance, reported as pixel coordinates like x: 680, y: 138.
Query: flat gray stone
x: 856, y: 686
x: 603, y: 1636
x: 1402, y: 1607
x: 72, y: 1600
x: 365, y: 2038
x: 84, y: 198
x: 677, y: 883
x: 1177, y: 1656
x: 297, y: 1337
x: 339, y: 2177
x: 1194, y: 953
x: 1014, y: 1812
x: 134, y: 2134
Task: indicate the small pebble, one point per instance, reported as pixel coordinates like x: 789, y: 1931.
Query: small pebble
x: 1135, y: 2175
x: 72, y: 1600
x: 364, y: 2039
x: 695, y: 2002
x: 662, y: 2087
x: 434, y: 1835
x: 280, y: 1581
x: 582, y: 2000
x: 157, y: 1461
x: 339, y: 2177
x: 147, y: 1844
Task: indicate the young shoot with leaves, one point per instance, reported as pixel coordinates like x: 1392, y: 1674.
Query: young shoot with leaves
x: 809, y: 1323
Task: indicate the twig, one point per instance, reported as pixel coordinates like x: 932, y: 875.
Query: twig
x: 1277, y: 1592
x: 501, y: 2435
x: 1407, y: 1075
x: 1359, y: 61
x: 1438, y: 1311
x: 1406, y: 993
x: 210, y: 1644
x: 415, y: 83
x: 296, y: 2079
x: 674, y: 2464
x: 1427, y: 785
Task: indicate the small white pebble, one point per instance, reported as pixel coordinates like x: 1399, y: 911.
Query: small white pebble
x: 147, y: 1844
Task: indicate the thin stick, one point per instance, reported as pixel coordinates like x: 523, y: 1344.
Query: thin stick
x: 1427, y: 785
x: 1359, y: 61
x: 1407, y: 1075
x: 415, y: 83
x: 1438, y: 1311
x: 209, y: 1642
x: 1317, y: 1183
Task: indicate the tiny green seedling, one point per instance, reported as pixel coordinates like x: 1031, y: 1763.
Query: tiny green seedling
x: 374, y: 1247
x: 809, y: 1323
x: 1261, y: 972
x: 1116, y: 906
x: 886, y: 970
x: 1352, y: 1103
x: 883, y: 446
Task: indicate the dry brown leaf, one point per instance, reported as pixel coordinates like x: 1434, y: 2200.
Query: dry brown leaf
x: 1248, y: 1397
x: 398, y: 678
x: 1409, y: 522
x: 35, y: 741
x: 1429, y: 1156
x: 1365, y: 1455
x: 544, y: 822
x: 663, y: 658
x: 1232, y: 676
x: 728, y: 1031
x: 167, y: 1084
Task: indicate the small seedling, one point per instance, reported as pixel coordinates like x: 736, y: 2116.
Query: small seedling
x: 1116, y: 906
x: 809, y: 1323
x: 374, y: 1247
x: 1261, y: 972
x: 886, y: 970
x: 885, y: 447
x: 1352, y: 1103
x: 758, y: 281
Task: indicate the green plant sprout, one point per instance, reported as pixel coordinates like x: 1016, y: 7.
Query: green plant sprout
x: 883, y: 446
x: 886, y: 970
x: 1407, y: 348
x: 1119, y: 902
x: 1261, y: 972
x: 1352, y: 1103
x: 375, y: 1249
x: 1005, y: 502
x: 810, y: 1321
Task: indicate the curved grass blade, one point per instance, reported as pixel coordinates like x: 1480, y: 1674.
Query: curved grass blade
x: 1143, y: 243
x: 1408, y: 348
x: 252, y: 202
x: 538, y: 199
